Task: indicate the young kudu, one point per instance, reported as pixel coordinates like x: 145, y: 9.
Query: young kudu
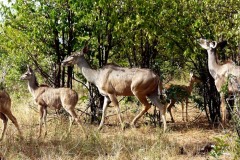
x: 180, y: 93
x: 113, y: 81
x: 5, y: 112
x: 228, y: 73
x: 54, y: 98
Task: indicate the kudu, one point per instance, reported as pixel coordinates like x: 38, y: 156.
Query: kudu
x: 228, y: 73
x: 113, y: 81
x: 5, y: 112
x: 54, y: 98
x: 180, y: 93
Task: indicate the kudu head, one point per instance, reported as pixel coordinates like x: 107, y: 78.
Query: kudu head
x: 194, y: 78
x: 74, y: 58
x: 211, y: 45
x: 207, y: 44
x: 28, y: 74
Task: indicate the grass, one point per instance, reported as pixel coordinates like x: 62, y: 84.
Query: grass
x: 182, y: 141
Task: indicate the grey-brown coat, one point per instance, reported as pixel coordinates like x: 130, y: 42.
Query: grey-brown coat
x: 54, y: 98
x: 113, y: 81
x: 222, y: 74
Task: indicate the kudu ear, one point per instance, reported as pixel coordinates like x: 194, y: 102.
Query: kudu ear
x: 213, y: 44
x: 29, y: 68
x: 84, y: 50
x: 191, y: 74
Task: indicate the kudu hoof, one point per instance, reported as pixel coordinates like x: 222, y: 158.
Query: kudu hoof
x: 99, y: 128
x: 172, y: 120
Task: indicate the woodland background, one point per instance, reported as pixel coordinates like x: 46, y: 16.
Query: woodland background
x: 156, y: 34
x: 160, y: 35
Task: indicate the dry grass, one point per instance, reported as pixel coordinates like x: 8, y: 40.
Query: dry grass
x: 183, y: 140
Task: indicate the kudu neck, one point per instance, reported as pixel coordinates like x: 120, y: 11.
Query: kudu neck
x: 33, y: 85
x: 190, y: 86
x: 90, y: 74
x: 212, y: 63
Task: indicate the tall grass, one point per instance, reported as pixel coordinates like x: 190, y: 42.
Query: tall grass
x: 145, y: 142
x: 110, y: 145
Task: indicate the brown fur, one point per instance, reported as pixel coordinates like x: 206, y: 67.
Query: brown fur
x: 1, y: 156
x: 188, y: 90
x: 5, y: 112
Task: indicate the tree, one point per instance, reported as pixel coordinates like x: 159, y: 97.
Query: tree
x: 150, y: 34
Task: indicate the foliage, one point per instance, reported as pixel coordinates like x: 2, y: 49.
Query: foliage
x: 225, y: 145
x: 160, y: 35
x: 219, y: 148
x: 177, y: 92
x: 135, y: 33
x: 225, y: 86
x: 198, y: 100
x: 237, y: 148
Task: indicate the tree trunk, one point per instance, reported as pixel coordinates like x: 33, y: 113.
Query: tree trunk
x: 69, y: 76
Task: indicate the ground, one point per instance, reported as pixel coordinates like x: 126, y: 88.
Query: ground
x: 182, y: 141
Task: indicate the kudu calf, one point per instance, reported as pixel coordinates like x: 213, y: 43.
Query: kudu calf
x: 54, y: 98
x: 180, y: 93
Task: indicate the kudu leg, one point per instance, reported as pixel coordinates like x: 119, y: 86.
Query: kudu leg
x: 5, y: 120
x: 71, y: 121
x: 169, y: 109
x: 40, y: 120
x: 162, y: 107
x: 144, y: 101
x: 45, y: 120
x: 73, y: 118
x: 116, y: 104
x: 223, y: 109
x: 186, y: 110
x: 105, y: 104
x: 14, y: 121
x: 183, y: 119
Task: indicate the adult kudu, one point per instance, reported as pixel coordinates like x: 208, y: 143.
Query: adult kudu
x: 113, y: 81
x: 228, y: 73
x: 54, y: 98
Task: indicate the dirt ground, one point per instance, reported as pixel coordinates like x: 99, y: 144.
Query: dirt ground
x: 197, y: 136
